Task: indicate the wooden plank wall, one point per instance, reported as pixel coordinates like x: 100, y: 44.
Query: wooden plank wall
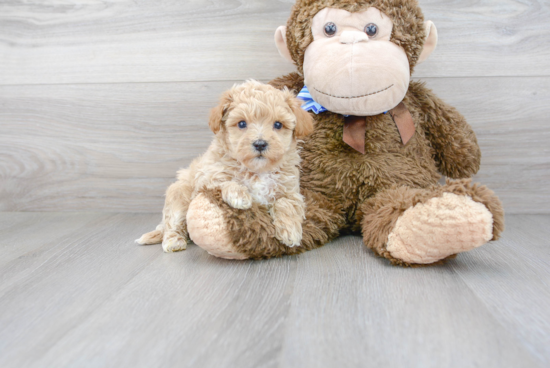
x: 101, y: 101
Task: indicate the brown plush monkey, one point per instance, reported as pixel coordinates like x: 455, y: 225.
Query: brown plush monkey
x: 372, y: 164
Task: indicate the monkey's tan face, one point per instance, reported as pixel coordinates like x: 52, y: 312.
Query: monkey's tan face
x: 352, y: 67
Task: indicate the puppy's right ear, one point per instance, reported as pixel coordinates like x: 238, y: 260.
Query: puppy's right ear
x: 217, y: 114
x: 304, y: 120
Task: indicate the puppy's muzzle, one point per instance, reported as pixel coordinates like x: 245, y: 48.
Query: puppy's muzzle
x: 260, y: 145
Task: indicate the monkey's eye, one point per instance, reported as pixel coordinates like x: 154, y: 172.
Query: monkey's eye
x: 278, y: 125
x: 242, y: 124
x: 371, y: 29
x: 330, y: 29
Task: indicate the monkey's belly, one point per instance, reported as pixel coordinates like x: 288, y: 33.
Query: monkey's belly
x: 352, y: 177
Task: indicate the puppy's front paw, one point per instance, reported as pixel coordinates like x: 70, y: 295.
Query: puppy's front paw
x: 173, y: 242
x: 237, y: 197
x: 289, y: 235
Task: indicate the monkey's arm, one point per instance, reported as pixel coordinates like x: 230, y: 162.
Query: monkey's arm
x: 293, y: 81
x: 457, y: 152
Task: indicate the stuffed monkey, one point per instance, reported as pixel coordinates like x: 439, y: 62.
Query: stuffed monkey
x: 381, y: 142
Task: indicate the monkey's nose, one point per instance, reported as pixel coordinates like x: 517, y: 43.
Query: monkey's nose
x: 260, y: 145
x: 351, y: 37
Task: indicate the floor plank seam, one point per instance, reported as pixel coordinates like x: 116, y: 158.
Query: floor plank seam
x: 499, y: 321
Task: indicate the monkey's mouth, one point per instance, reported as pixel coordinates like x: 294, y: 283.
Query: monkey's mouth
x: 352, y: 97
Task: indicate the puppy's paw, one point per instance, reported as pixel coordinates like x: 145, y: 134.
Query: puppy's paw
x: 237, y: 196
x: 173, y: 243
x: 291, y: 236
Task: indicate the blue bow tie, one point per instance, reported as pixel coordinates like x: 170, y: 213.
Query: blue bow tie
x: 309, y: 102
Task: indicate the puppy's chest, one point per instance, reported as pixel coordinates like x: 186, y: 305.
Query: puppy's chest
x: 262, y: 187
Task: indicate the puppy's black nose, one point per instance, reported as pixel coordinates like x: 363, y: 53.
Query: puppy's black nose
x: 260, y: 145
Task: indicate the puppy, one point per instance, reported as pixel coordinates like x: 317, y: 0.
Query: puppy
x: 253, y: 158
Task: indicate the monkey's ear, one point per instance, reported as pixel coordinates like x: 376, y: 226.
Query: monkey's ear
x: 217, y: 113
x: 280, y: 41
x: 430, y: 43
x: 304, y: 120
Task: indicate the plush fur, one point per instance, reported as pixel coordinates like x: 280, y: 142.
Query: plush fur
x: 244, y: 175
x: 346, y: 191
x: 379, y: 214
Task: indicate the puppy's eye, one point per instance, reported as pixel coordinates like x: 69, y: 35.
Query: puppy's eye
x: 278, y: 125
x: 330, y: 29
x: 371, y: 29
x: 242, y: 124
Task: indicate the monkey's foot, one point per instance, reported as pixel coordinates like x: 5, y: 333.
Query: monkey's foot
x: 207, y: 228
x: 441, y: 227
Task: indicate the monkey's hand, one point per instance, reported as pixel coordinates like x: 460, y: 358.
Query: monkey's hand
x: 236, y: 195
x: 456, y: 150
x: 288, y: 216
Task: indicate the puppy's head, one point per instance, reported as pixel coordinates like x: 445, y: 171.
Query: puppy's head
x: 259, y: 124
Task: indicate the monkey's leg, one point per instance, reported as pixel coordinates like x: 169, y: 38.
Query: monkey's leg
x: 424, y: 226
x: 230, y: 233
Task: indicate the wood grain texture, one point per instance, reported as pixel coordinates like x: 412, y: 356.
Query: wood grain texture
x: 512, y: 275
x: 93, y: 298
x: 107, y: 41
x: 116, y: 147
x: 355, y: 303
x: 49, y: 290
x: 15, y: 231
x: 510, y: 118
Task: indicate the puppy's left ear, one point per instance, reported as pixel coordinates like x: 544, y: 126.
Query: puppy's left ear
x: 217, y: 114
x: 304, y: 120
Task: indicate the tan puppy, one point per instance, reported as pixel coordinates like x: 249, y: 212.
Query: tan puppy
x: 253, y: 158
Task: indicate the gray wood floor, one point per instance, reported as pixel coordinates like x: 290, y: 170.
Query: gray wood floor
x: 76, y: 291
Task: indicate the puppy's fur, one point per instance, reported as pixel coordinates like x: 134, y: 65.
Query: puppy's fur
x: 244, y: 173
